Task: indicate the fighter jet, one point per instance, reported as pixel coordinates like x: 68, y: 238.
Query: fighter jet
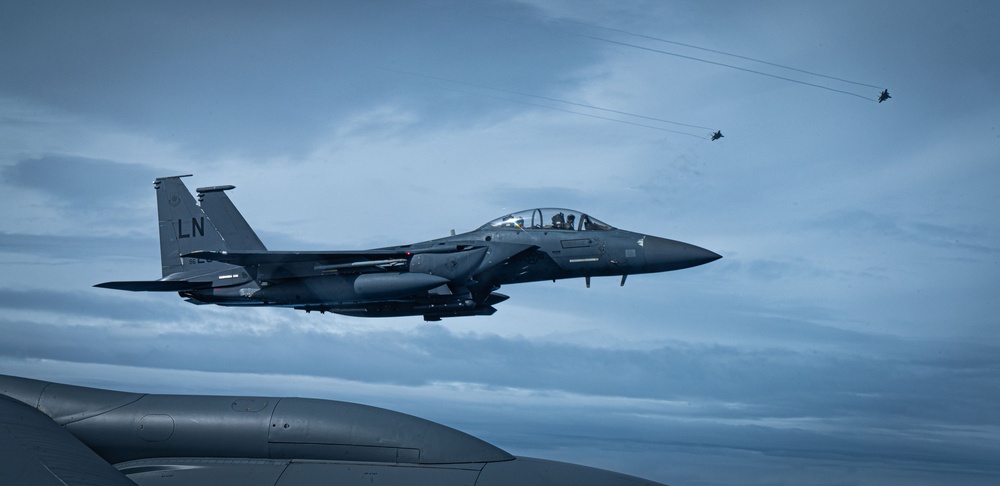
x: 884, y: 95
x: 64, y: 435
x: 717, y: 135
x: 210, y: 255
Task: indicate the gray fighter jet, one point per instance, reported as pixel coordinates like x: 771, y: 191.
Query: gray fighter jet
x: 64, y: 435
x: 210, y: 255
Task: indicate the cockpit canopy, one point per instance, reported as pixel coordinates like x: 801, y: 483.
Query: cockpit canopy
x: 548, y: 219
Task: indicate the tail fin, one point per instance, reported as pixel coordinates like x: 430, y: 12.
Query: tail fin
x: 234, y: 229
x: 184, y: 228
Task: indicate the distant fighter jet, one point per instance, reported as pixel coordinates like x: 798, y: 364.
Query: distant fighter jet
x: 64, y: 435
x: 210, y: 255
x: 717, y: 135
x: 884, y: 96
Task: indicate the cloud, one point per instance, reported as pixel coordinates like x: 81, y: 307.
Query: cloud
x: 831, y: 384
x: 849, y: 332
x: 77, y: 247
x: 80, y: 194
x: 83, y: 305
x: 265, y: 80
x: 73, y: 180
x: 858, y: 222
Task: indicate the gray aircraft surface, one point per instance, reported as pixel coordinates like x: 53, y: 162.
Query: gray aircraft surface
x: 210, y: 255
x: 65, y: 435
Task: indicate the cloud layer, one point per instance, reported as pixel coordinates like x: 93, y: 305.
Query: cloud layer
x: 848, y: 336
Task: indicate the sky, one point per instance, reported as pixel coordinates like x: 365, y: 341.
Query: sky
x: 849, y: 335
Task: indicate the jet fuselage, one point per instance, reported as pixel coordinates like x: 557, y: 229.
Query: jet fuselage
x: 211, y: 255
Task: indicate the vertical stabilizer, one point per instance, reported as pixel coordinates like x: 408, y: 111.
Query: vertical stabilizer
x: 184, y: 228
x: 234, y: 228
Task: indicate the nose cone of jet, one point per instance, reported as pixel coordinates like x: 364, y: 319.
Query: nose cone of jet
x: 663, y: 254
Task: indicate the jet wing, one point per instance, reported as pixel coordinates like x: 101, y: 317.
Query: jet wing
x: 247, y: 258
x: 281, y: 265
x: 35, y: 450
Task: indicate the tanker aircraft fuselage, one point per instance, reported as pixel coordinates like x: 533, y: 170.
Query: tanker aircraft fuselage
x: 65, y: 435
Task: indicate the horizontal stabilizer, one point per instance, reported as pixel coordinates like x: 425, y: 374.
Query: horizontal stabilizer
x: 155, y: 285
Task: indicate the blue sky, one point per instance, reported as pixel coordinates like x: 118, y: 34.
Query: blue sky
x: 848, y: 336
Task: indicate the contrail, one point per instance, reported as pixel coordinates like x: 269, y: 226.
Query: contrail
x: 746, y: 58
x: 546, y: 98
x: 659, y: 51
x: 691, y: 46
x: 556, y: 100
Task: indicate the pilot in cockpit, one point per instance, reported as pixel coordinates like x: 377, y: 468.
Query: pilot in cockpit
x: 558, y: 220
x: 571, y: 222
